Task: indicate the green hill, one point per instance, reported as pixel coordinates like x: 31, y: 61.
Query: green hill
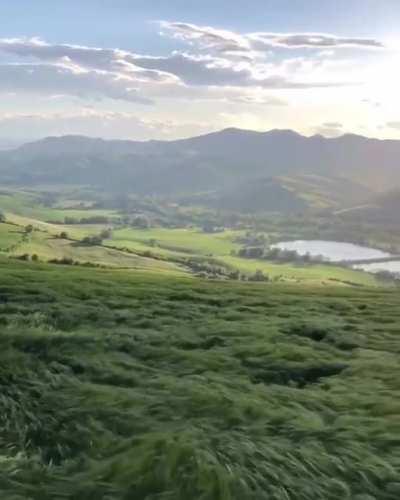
x: 344, y: 169
x: 120, y: 385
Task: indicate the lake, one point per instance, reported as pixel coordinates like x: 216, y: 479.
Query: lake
x: 333, y: 251
x: 392, y: 266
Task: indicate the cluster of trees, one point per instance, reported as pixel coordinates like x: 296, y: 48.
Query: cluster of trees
x: 68, y: 261
x: 97, y: 239
x: 28, y: 230
x: 251, y: 252
x: 211, y: 228
x: 251, y: 239
x: 137, y: 221
x: 387, y: 276
x: 258, y: 276
x: 207, y: 270
x: 278, y: 254
x: 213, y: 271
x: 282, y: 255
x: 26, y: 257
x: 140, y: 222
x: 94, y: 219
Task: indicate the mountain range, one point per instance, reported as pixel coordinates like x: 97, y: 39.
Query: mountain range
x: 249, y: 170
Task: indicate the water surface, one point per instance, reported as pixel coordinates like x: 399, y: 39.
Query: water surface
x: 333, y: 251
x: 393, y: 267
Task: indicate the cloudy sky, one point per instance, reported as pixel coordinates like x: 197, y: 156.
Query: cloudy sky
x: 167, y: 69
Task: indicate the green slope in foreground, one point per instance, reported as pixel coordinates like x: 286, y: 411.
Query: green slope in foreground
x: 120, y: 385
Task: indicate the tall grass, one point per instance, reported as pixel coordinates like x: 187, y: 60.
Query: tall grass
x: 117, y: 386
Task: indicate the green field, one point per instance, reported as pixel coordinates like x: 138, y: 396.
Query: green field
x: 312, y: 273
x: 28, y: 205
x: 161, y: 248
x: 147, y: 386
x: 181, y: 240
x: 48, y: 247
x: 178, y: 242
x: 10, y: 236
x: 164, y: 249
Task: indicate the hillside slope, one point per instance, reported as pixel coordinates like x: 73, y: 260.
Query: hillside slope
x: 214, y: 163
x: 137, y: 386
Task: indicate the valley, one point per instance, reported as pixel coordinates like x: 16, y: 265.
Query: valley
x: 215, y: 342
x: 199, y: 250
x: 180, y: 240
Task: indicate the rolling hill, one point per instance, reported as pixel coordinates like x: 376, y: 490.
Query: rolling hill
x: 276, y: 165
x: 382, y: 208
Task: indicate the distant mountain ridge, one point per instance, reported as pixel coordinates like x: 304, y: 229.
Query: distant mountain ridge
x: 219, y: 163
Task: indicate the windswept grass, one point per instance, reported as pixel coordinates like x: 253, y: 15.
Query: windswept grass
x: 141, y: 386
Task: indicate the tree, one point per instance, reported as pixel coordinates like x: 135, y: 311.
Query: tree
x: 24, y: 256
x: 384, y: 275
x: 140, y: 222
x: 63, y: 235
x: 209, y: 227
x: 70, y: 220
x: 259, y: 276
x: 28, y: 229
x: 234, y: 275
x: 106, y: 234
x: 251, y: 252
x: 94, y: 219
x: 92, y: 240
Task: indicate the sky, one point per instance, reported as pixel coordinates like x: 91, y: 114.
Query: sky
x: 136, y: 69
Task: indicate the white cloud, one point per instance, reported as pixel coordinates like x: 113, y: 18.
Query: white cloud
x: 235, y: 64
x: 329, y: 129
x: 309, y: 40
x: 67, y: 79
x: 206, y: 37
x: 372, y: 102
x: 394, y: 125
x: 88, y: 72
x: 109, y: 60
x: 222, y: 78
x: 209, y: 70
x: 227, y: 41
x: 257, y: 99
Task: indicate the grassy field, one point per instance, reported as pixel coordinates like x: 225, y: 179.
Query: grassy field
x: 181, y: 240
x: 118, y: 386
x: 29, y: 205
x: 157, y: 247
x: 133, y: 248
x: 10, y: 236
x: 48, y: 247
x: 314, y: 273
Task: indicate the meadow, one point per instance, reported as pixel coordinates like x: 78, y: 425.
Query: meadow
x: 222, y: 246
x: 185, y: 248
x: 148, y: 386
x: 29, y: 204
